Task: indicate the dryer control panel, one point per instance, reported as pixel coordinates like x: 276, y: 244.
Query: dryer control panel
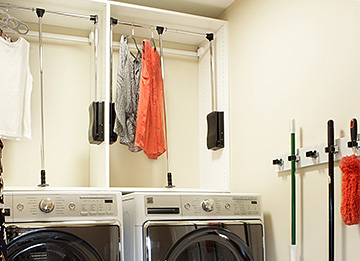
x: 64, y: 206
x: 220, y: 205
x: 246, y: 205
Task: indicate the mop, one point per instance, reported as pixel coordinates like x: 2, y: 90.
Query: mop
x: 350, y: 187
x: 293, y: 192
x: 331, y: 150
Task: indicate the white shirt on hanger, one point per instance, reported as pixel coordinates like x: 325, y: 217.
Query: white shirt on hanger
x: 15, y: 90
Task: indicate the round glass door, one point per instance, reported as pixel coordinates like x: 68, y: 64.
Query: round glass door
x: 50, y: 245
x: 210, y: 244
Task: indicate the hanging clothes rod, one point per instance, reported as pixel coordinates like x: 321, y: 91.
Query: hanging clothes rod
x: 70, y: 38
x: 48, y: 12
x: 170, y: 30
x: 166, y: 50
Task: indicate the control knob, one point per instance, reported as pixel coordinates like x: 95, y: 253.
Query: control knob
x: 46, y: 205
x: 208, y: 205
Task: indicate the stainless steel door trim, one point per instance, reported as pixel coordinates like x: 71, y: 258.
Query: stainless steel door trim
x: 69, y: 224
x: 150, y: 223
x: 200, y: 222
x: 41, y: 226
x: 37, y: 225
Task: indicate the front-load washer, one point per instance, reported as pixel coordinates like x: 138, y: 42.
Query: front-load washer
x: 63, y: 225
x: 193, y: 226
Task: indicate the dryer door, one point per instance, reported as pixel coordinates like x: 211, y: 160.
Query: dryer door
x: 203, y: 240
x: 210, y: 243
x: 50, y: 245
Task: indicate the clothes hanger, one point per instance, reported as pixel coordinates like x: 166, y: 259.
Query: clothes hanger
x: 13, y: 23
x: 133, y: 38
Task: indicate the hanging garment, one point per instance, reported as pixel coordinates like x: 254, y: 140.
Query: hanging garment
x: 4, y: 35
x: 15, y: 90
x: 350, y: 190
x: 150, y: 127
x: 127, y: 95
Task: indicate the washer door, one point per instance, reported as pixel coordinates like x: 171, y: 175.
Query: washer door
x: 50, y: 245
x: 210, y: 243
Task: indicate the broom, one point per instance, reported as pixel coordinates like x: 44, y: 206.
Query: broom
x: 293, y: 192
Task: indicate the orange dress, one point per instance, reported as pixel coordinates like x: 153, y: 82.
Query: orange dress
x: 150, y: 127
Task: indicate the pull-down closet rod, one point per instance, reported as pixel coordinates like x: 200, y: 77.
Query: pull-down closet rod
x: 170, y: 30
x: 48, y: 12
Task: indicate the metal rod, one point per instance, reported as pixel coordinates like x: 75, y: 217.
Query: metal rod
x: 96, y: 33
x: 17, y: 7
x: 48, y: 12
x: 170, y: 30
x: 41, y: 95
x: 111, y: 63
x: 169, y: 175
x: 213, y: 83
x: 165, y: 50
x: 134, y: 25
x: 59, y: 37
x: 40, y: 13
x: 68, y: 14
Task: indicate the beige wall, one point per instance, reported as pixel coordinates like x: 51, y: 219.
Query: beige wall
x: 292, y: 59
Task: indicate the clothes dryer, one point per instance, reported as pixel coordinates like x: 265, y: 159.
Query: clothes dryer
x: 193, y: 226
x: 63, y: 225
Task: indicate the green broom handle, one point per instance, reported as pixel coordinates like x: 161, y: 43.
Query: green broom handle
x: 293, y: 192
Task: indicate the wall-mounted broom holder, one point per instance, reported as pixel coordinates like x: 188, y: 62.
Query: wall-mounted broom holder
x: 314, y: 155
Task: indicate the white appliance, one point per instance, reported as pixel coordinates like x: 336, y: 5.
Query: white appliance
x: 193, y: 226
x: 63, y: 225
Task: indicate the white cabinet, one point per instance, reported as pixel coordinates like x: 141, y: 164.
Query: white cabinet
x: 187, y: 85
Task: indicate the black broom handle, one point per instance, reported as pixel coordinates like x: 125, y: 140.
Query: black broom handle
x: 331, y: 188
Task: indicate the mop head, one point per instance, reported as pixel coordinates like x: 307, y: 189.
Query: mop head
x: 350, y: 190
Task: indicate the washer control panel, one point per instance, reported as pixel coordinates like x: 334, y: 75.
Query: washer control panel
x: 61, y: 206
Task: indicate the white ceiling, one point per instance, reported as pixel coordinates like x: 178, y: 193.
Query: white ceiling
x: 209, y: 8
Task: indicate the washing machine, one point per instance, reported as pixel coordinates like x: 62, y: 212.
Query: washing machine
x: 63, y: 225
x: 193, y: 226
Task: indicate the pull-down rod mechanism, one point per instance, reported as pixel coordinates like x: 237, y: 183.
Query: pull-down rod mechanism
x: 40, y: 12
x: 35, y: 10
x: 158, y: 28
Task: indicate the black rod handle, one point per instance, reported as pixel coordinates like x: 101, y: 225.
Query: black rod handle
x: 169, y: 180
x: 330, y: 133
x: 353, y: 130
